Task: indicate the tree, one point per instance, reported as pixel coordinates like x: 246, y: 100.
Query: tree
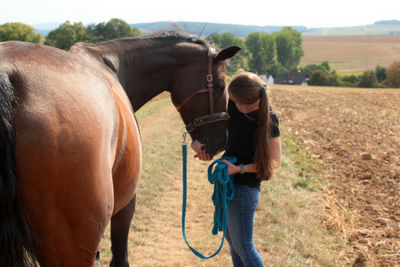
x: 320, y: 77
x: 253, y: 44
x: 368, y: 80
x: 136, y: 32
x: 262, y: 51
x: 350, y: 80
x: 66, y: 35
x: 288, y: 47
x: 380, y: 73
x: 239, y: 60
x: 324, y: 66
x: 393, y: 75
x: 268, y: 47
x: 113, y: 29
x: 19, y: 32
x: 333, y: 79
x: 226, y: 39
x: 275, y: 69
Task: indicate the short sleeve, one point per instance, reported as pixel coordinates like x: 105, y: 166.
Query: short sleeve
x: 274, y: 123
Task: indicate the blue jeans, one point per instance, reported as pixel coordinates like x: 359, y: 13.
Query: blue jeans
x: 239, y: 232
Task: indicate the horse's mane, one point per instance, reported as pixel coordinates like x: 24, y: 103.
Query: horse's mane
x: 167, y: 36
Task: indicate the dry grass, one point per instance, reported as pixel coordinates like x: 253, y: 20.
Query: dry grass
x: 351, y: 53
x: 288, y: 230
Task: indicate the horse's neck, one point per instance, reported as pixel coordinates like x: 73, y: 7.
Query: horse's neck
x: 144, y: 72
x: 153, y: 75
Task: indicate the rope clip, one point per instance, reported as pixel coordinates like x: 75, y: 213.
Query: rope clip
x: 184, y: 138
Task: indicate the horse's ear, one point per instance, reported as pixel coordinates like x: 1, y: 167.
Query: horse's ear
x: 227, y: 53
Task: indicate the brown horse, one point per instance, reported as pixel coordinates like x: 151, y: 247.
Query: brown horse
x: 70, y: 148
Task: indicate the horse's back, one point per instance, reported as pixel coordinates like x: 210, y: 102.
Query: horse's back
x: 67, y: 124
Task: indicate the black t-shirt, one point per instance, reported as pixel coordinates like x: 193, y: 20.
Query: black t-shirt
x: 242, y: 129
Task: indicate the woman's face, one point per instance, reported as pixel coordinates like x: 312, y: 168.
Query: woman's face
x: 245, y: 108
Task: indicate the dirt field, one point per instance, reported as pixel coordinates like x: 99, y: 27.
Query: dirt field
x: 352, y: 53
x: 354, y: 135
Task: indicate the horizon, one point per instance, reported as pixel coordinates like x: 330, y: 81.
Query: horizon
x: 43, y: 25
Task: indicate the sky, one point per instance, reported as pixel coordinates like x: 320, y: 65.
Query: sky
x: 309, y: 13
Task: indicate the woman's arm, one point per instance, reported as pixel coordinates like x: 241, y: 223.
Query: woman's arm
x: 276, y: 151
x: 275, y: 144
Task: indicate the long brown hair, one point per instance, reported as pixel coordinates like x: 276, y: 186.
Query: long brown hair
x: 247, y: 88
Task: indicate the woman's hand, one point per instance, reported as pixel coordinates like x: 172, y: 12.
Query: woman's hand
x: 203, y: 155
x: 232, y: 168
x: 199, y: 149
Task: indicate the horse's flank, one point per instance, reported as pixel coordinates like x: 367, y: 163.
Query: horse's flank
x: 69, y: 129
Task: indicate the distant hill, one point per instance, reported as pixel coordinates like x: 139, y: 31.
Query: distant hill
x: 383, y: 27
x: 45, y: 28
x: 388, y: 22
x: 209, y: 28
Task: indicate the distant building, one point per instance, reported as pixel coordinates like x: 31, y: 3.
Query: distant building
x: 263, y: 77
x: 292, y: 78
x: 270, y: 80
x: 267, y: 79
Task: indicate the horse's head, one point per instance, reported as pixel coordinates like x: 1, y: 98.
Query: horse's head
x: 186, y: 66
x: 199, y: 94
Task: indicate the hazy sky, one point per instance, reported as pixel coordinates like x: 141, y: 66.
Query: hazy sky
x: 309, y: 13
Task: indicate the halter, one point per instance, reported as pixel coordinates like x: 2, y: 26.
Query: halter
x: 212, y: 117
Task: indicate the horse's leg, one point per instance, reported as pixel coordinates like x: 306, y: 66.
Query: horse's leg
x: 120, y: 224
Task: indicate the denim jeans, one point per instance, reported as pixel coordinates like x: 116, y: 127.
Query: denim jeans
x: 239, y: 232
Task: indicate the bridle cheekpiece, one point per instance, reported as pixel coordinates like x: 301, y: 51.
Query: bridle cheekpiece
x: 212, y: 117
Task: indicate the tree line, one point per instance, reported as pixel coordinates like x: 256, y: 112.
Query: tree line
x: 69, y: 33
x: 264, y: 53
x: 321, y: 75
x: 261, y: 53
x: 281, y: 51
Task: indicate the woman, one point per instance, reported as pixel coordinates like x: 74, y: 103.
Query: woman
x: 254, y: 140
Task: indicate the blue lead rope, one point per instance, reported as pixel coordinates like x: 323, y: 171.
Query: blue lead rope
x: 223, y: 193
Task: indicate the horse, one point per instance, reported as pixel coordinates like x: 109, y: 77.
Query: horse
x: 70, y: 147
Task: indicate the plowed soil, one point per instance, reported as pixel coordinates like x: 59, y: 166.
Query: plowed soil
x: 353, y: 135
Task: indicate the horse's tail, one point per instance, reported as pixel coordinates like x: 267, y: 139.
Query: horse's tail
x: 16, y: 246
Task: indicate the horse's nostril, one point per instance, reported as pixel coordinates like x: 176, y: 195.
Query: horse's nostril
x: 204, y: 141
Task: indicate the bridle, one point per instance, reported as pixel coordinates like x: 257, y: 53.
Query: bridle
x: 212, y: 117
